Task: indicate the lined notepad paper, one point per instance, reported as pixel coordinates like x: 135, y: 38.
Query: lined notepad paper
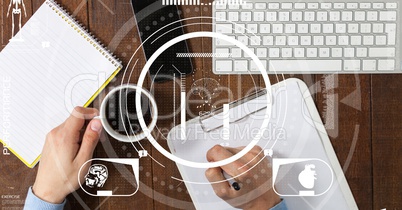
x: 48, y: 68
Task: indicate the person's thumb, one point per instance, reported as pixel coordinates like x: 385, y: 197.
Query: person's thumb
x: 90, y: 140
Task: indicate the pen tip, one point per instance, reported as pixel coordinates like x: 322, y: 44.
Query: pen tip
x: 236, y: 186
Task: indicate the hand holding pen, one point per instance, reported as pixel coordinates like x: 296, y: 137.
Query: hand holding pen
x: 245, y: 183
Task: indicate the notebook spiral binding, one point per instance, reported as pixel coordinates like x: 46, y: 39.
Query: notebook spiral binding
x: 80, y: 28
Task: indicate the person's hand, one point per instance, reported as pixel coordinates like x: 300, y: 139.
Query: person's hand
x: 64, y: 153
x: 253, y: 176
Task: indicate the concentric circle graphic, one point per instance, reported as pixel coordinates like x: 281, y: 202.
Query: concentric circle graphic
x: 252, y: 142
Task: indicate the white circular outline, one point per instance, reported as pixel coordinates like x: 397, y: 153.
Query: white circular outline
x: 267, y: 113
x: 128, y: 138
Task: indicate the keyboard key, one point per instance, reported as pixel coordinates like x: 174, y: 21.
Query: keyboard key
x: 328, y: 28
x: 298, y: 52
x: 286, y: 52
x: 268, y: 40
x: 365, y: 28
x: 378, y: 5
x: 349, y: 52
x: 322, y: 16
x: 386, y: 65
x: 220, y: 16
x: 312, y: 5
x: 353, y: 28
x: 330, y: 40
x: 361, y: 52
x: 258, y: 16
x: 220, y: 6
x: 245, y: 16
x: 368, y: 40
x: 318, y: 40
x: 302, y: 28
x: 365, y: 5
x: 252, y: 28
x: 336, y: 52
x: 240, y: 28
x: 355, y: 40
x: 243, y: 39
x: 222, y: 52
x: 388, y: 15
x: 240, y: 65
x: 224, y: 28
x: 315, y: 28
x: 274, y: 52
x: 223, y: 65
x: 326, y: 5
x: 360, y: 16
x: 347, y: 16
x: 343, y: 40
x: 351, y: 5
x: 305, y: 40
x: 391, y: 5
x: 372, y: 16
x: 236, y: 52
x: 382, y: 52
x: 340, y: 28
x: 300, y: 5
x: 255, y: 40
x: 297, y: 16
x: 286, y: 5
x: 260, y: 5
x: 262, y: 52
x: 312, y: 52
x: 277, y: 28
x: 324, y: 52
x: 293, y: 40
x: 234, y: 6
x: 247, y: 5
x: 221, y: 42
x: 351, y: 65
x: 334, y: 16
x: 253, y: 66
x: 271, y: 16
x: 309, y: 16
x: 339, y: 5
x: 233, y: 16
x: 284, y: 16
x: 273, y: 6
x: 290, y: 28
x: 280, y: 40
x: 265, y: 28
x: 305, y: 65
x: 380, y: 40
x: 390, y: 29
x: 378, y: 28
x: 369, y: 65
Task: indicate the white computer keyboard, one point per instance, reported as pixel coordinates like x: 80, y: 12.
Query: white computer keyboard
x: 309, y: 37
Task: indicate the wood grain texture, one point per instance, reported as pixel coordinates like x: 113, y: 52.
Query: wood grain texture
x: 344, y: 105
x: 387, y: 146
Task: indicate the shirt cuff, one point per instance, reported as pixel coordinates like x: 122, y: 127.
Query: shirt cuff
x: 32, y: 202
x: 280, y: 206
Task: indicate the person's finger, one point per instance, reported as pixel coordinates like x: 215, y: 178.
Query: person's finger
x: 89, y: 140
x: 77, y: 118
x: 256, y: 150
x: 221, y: 187
x: 218, y: 153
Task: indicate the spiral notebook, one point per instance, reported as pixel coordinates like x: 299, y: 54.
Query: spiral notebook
x: 50, y: 66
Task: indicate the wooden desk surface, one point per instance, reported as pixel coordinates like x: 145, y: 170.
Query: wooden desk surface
x: 362, y: 113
